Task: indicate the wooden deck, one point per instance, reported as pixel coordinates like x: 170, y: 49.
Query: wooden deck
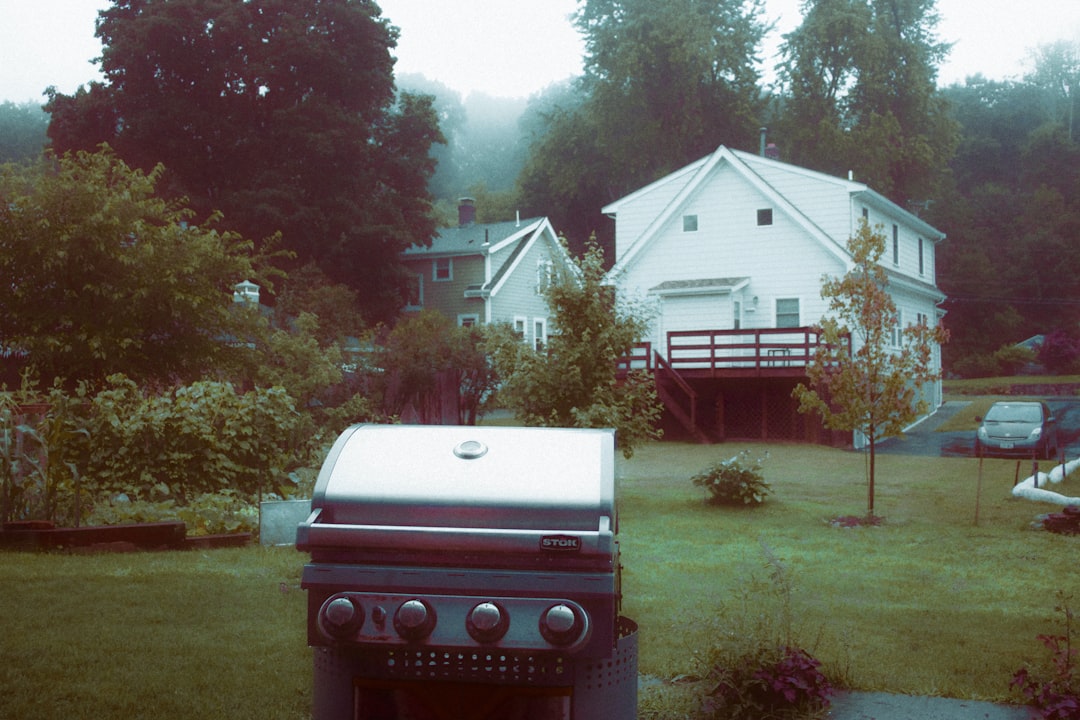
x: 713, y: 382
x: 760, y: 353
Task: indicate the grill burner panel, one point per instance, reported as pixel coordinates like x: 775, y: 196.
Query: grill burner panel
x: 530, y: 623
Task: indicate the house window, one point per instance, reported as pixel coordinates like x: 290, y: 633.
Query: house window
x: 787, y: 312
x: 922, y: 267
x: 897, y: 338
x: 895, y: 245
x: 415, y: 298
x: 540, y: 334
x: 519, y: 328
x: 468, y: 320
x: 764, y: 216
x: 689, y: 223
x: 545, y: 275
x: 866, y: 214
x: 442, y: 269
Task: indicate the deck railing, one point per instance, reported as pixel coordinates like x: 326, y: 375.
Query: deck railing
x: 761, y: 351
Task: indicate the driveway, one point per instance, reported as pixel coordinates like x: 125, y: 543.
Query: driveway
x: 923, y: 439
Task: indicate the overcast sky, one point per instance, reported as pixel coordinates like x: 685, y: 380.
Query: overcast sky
x: 509, y: 48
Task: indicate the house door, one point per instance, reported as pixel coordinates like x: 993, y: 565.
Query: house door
x: 693, y: 312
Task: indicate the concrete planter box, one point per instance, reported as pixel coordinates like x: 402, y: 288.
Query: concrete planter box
x: 279, y: 519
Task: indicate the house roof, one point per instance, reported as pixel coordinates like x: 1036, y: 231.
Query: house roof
x: 694, y: 175
x: 488, y: 239
x: 470, y: 239
x: 705, y: 286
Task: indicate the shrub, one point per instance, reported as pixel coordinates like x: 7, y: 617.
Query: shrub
x: 1060, y: 352
x: 195, y: 439
x: 756, y: 667
x: 206, y: 514
x: 1055, y: 694
x: 1011, y: 359
x: 1007, y: 360
x: 769, y: 682
x: 735, y: 481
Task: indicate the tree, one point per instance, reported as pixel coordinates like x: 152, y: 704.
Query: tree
x: 22, y: 131
x: 664, y: 84
x: 861, y: 82
x: 424, y: 355
x: 281, y: 114
x: 573, y: 381
x: 857, y: 380
x: 103, y: 276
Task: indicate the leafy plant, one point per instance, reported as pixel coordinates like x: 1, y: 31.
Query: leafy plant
x: 756, y: 668
x: 1056, y: 695
x: 768, y: 683
x: 572, y: 381
x: 735, y: 481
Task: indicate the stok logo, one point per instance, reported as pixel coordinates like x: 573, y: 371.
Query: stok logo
x: 560, y: 543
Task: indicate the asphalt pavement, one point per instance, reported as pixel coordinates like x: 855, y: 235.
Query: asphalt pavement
x: 884, y: 706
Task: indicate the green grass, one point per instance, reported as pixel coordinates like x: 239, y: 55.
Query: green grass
x: 154, y: 635
x: 928, y: 603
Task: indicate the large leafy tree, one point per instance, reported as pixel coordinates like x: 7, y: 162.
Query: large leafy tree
x: 572, y: 382
x: 857, y: 380
x: 281, y: 114
x: 665, y: 83
x: 22, y: 131
x: 859, y: 81
x: 102, y: 276
x: 1012, y: 208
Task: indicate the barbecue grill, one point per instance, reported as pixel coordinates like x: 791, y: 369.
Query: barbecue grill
x: 467, y: 573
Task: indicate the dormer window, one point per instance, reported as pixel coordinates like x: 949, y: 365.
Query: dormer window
x: 764, y: 217
x: 442, y: 270
x: 689, y: 223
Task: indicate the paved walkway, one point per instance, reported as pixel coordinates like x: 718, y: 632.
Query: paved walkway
x: 884, y: 706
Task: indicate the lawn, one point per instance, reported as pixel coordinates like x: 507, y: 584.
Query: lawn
x: 927, y: 603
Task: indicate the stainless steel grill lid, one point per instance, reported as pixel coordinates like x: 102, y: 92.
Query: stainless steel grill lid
x: 466, y: 488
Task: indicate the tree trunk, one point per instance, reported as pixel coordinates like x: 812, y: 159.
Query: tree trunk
x: 870, y: 486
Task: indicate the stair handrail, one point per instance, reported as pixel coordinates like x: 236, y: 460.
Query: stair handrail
x: 691, y: 394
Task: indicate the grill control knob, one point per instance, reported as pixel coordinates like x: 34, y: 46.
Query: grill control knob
x: 342, y: 617
x: 561, y: 625
x: 414, y: 619
x: 487, y: 622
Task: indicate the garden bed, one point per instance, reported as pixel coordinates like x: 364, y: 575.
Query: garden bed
x: 36, y: 535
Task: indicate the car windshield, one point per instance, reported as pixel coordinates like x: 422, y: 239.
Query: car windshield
x: 1015, y: 413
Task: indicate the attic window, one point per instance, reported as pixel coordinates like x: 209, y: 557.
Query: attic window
x: 689, y: 223
x: 764, y: 216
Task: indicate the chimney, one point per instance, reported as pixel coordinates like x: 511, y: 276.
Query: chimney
x: 772, y: 152
x: 466, y: 211
x: 761, y: 145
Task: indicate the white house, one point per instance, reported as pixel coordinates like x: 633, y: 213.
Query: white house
x: 483, y: 273
x: 732, y: 249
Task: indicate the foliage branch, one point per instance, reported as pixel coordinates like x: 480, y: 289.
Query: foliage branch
x: 859, y: 380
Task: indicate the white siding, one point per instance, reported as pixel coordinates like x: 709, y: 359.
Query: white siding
x: 518, y: 296
x: 779, y: 259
